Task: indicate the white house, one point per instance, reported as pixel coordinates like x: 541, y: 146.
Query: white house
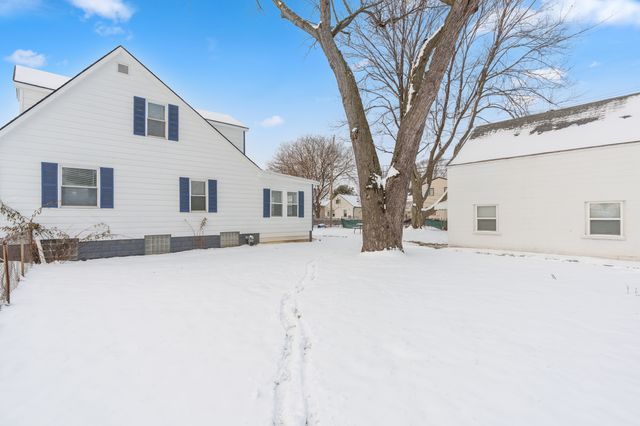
x: 116, y: 145
x: 565, y: 181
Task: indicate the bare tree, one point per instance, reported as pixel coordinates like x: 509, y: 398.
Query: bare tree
x: 384, y: 197
x: 507, y: 58
x: 318, y: 158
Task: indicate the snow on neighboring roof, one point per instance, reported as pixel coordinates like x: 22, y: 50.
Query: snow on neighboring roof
x: 354, y: 200
x: 221, y: 118
x: 39, y: 78
x: 442, y: 205
x: 606, y: 122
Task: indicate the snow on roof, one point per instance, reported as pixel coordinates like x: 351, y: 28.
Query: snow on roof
x: 39, y: 78
x: 354, y: 200
x: 221, y: 118
x: 606, y: 122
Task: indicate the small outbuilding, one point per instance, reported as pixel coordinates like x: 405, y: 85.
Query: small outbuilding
x: 564, y: 181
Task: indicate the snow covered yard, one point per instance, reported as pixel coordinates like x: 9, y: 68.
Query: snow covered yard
x: 276, y: 334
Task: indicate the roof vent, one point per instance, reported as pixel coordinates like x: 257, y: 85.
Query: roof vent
x: 124, y: 69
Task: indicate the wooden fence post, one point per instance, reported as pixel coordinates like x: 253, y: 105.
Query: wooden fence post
x: 22, y: 259
x: 7, y: 275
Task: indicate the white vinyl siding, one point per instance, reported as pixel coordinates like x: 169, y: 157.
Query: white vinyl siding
x: 604, y: 219
x: 90, y: 123
x: 79, y: 187
x: 542, y: 201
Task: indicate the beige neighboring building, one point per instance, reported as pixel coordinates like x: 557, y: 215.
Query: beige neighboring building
x: 438, y: 188
x: 344, y: 207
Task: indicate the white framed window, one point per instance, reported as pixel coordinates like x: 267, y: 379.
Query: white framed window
x: 337, y: 201
x: 605, y: 219
x: 486, y: 218
x: 432, y: 191
x: 276, y: 203
x: 156, y: 120
x: 292, y: 204
x: 198, y: 196
x: 78, y: 187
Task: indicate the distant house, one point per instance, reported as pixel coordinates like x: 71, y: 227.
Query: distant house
x: 433, y: 199
x: 565, y: 181
x: 344, y: 206
x: 115, y: 145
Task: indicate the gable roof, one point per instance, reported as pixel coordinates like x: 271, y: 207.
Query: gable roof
x: 51, y: 81
x: 606, y: 122
x: 82, y: 74
x: 354, y: 200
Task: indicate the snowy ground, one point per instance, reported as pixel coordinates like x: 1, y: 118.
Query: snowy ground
x: 283, y: 334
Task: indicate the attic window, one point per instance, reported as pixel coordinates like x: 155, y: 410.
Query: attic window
x: 124, y: 69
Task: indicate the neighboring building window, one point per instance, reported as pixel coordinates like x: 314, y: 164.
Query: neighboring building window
x: 337, y: 200
x: 344, y: 213
x: 445, y: 189
x: 276, y: 203
x: 156, y: 119
x: 198, y: 196
x: 432, y: 191
x: 486, y: 218
x: 605, y: 219
x: 292, y: 204
x: 79, y: 187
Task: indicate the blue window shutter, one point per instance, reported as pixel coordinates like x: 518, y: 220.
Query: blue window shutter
x: 184, y: 195
x: 213, y: 196
x: 106, y: 188
x: 266, y: 202
x: 49, y: 181
x: 300, y: 203
x: 139, y: 116
x: 173, y: 123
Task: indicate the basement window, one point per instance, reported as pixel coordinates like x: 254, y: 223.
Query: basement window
x: 604, y: 219
x: 486, y: 218
x: 79, y: 187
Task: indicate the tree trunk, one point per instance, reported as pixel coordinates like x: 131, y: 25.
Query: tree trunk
x: 384, y: 199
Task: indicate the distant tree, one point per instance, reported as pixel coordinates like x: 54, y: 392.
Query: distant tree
x: 344, y: 190
x: 320, y: 158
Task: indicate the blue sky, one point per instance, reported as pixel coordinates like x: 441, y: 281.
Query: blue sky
x: 230, y: 57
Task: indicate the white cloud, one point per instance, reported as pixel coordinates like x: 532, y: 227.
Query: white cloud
x: 108, y: 30
x: 28, y: 58
x: 115, y: 10
x: 273, y: 121
x: 551, y: 74
x: 594, y: 64
x: 610, y: 12
x: 9, y: 7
